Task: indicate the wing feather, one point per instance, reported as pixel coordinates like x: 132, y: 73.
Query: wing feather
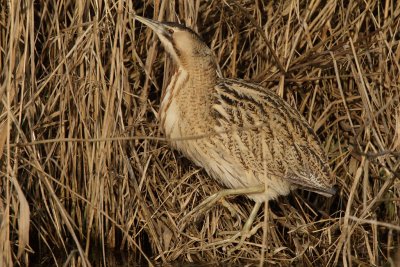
x: 270, y: 136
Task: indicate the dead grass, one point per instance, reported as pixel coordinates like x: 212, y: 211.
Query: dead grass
x: 84, y: 166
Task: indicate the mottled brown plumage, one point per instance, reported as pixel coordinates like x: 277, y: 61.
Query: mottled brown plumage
x: 242, y: 134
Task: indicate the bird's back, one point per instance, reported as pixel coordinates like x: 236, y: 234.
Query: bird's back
x: 256, y: 138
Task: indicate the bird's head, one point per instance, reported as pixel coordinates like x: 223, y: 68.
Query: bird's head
x: 183, y: 44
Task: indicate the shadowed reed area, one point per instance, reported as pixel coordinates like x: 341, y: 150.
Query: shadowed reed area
x: 84, y: 167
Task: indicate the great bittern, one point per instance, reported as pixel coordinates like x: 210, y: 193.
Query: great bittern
x: 245, y: 136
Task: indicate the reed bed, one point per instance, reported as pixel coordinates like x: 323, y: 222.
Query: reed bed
x: 85, y: 170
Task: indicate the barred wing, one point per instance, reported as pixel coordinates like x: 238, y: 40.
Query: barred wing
x: 264, y: 133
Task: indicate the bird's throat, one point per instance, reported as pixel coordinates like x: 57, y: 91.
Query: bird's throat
x: 188, y: 88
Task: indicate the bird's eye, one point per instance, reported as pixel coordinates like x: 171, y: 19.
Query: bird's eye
x: 171, y: 31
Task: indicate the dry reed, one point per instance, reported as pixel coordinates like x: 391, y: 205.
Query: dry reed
x: 84, y: 167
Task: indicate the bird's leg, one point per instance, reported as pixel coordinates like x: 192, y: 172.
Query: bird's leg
x: 211, y: 200
x: 246, y: 231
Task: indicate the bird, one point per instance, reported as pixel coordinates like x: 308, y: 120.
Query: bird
x: 245, y: 136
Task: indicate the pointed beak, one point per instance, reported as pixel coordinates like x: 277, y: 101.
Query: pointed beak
x: 159, y: 28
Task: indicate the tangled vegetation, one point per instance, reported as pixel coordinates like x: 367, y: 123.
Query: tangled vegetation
x: 85, y: 171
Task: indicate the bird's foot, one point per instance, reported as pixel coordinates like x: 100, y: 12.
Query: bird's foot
x: 209, y: 202
x: 246, y: 231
